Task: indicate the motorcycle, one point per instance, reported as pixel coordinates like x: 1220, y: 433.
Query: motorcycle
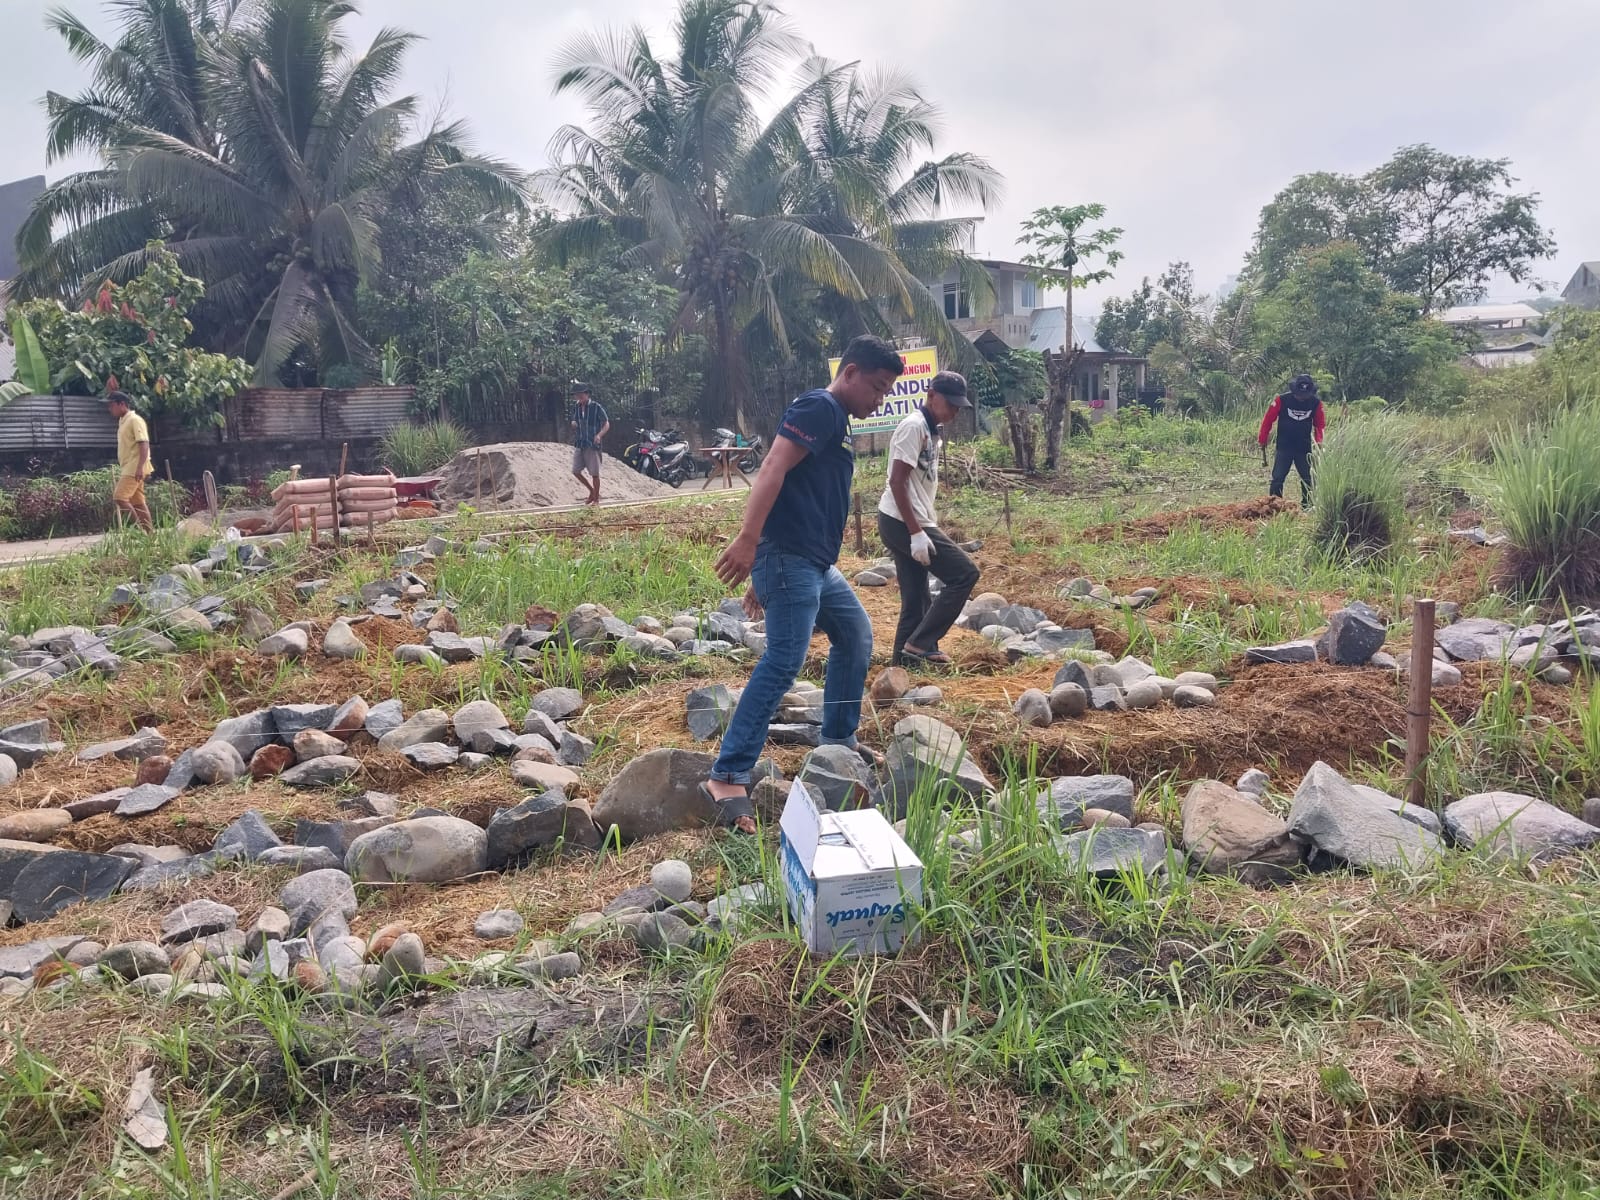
x: 747, y: 462
x: 662, y: 455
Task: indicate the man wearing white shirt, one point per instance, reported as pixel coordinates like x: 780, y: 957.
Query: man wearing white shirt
x: 908, y: 523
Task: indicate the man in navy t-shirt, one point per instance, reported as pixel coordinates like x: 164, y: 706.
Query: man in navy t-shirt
x: 787, y: 547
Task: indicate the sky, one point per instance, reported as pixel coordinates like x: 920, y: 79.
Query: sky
x: 1183, y: 117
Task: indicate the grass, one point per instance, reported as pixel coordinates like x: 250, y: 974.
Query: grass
x: 1049, y: 1036
x: 418, y: 449
x: 1358, y: 503
x: 1547, y: 486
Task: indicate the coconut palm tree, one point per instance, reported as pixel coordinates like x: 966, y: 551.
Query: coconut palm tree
x: 759, y: 226
x: 267, y: 155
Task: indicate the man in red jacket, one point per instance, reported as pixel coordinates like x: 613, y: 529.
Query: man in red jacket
x: 1300, y: 420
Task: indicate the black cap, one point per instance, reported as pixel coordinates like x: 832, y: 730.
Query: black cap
x: 1303, y: 385
x: 119, y: 398
x: 952, y: 386
x: 579, y: 388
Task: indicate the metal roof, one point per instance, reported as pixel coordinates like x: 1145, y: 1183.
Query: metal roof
x: 1477, y: 314
x: 1048, y: 331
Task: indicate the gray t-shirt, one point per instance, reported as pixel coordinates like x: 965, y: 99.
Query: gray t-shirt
x: 914, y: 442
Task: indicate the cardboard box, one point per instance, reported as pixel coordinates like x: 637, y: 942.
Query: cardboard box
x: 851, y: 881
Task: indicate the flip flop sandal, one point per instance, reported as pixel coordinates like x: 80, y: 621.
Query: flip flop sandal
x: 931, y: 658
x: 731, y: 810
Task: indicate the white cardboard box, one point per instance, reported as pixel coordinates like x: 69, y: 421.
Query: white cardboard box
x: 851, y: 881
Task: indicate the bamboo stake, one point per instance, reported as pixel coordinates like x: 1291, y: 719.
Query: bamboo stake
x: 333, y: 507
x: 1419, y: 705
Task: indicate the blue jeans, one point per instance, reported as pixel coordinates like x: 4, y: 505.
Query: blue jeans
x: 800, y: 596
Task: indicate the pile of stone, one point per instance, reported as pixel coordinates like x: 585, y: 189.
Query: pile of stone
x: 662, y: 917
x: 1022, y: 632
x: 1121, y: 686
x: 883, y: 571
x: 306, y: 746
x: 1333, y: 822
x: 1356, y: 633
x: 1086, y: 591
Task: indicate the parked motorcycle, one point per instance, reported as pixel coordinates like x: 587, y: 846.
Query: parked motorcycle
x: 663, y: 455
x: 747, y: 462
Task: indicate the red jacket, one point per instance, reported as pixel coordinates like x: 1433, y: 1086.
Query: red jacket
x: 1275, y: 409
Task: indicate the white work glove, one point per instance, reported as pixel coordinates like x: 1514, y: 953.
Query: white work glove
x: 922, y: 547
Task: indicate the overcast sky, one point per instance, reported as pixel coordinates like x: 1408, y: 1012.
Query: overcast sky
x: 1183, y: 117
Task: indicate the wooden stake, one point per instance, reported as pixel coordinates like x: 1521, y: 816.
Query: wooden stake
x: 315, y: 540
x: 333, y: 507
x: 1008, y: 510
x: 372, y: 538
x: 477, y: 495
x: 294, y: 518
x: 209, y: 482
x: 344, y: 457
x: 861, y: 543
x: 1419, y: 704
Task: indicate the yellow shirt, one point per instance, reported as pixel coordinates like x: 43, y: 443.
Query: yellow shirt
x: 131, y: 430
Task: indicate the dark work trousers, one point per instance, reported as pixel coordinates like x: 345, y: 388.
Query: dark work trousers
x: 923, y: 621
x: 1298, y: 457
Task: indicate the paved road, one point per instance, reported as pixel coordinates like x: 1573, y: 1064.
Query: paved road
x: 46, y: 549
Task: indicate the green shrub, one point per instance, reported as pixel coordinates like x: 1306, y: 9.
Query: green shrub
x: 1359, y: 474
x: 61, y: 505
x: 417, y: 449
x: 1546, y: 489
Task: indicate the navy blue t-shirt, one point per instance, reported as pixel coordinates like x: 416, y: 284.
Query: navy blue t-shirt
x: 809, y: 516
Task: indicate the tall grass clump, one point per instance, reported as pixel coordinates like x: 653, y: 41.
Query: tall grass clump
x: 418, y: 449
x: 1358, y: 496
x: 1547, y: 496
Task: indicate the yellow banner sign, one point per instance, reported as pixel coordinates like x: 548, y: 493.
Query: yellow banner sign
x: 909, y: 391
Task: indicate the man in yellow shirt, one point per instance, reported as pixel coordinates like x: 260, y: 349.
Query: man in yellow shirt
x: 133, y: 454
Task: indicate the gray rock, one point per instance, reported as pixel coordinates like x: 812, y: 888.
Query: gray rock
x: 1199, y: 679
x: 419, y: 850
x: 404, y: 960
x: 1555, y: 673
x: 308, y: 897
x: 300, y: 859
x: 286, y: 643
x: 216, y: 762
x: 1020, y: 618
x: 927, y: 752
x: 1476, y: 639
x: 1146, y: 693
x: 313, y: 743
x: 272, y: 963
x: 558, y: 703
x: 871, y: 579
x: 1353, y: 828
x: 1302, y: 651
x: 247, y: 838
x: 513, y: 833
x: 290, y: 719
x: 147, y: 856
x: 454, y: 648
x: 840, y: 776
x: 473, y: 762
x: 46, y: 883
x: 197, y: 918
x: 498, y: 923
x: 576, y: 750
x: 1591, y: 811
x: 709, y: 711
x: 1253, y: 782
x: 1355, y: 633
x: 414, y: 654
x: 1074, y: 672
x: 542, y: 725
x: 1068, y: 700
x: 493, y: 741
x: 673, y: 879
x: 142, y: 745
x: 248, y: 732
x: 478, y: 716
x: 133, y: 960
x: 1107, y: 698
x: 8, y: 771
x: 1033, y: 708
x: 181, y: 776
x: 1226, y: 831
x: 429, y: 725
x: 551, y: 968
x: 181, y: 870
x: 656, y: 793
x: 431, y: 756
x: 372, y: 804
x: 1063, y: 805
x: 20, y: 962
x: 790, y: 734
x: 1424, y: 817
x: 340, y: 641
x: 1054, y: 641
x: 1107, y: 853
x: 328, y: 771
x: 336, y: 836
x: 1193, y: 697
x: 662, y: 933
x: 143, y: 800
x: 29, y: 754
x: 1507, y: 825
x: 384, y: 717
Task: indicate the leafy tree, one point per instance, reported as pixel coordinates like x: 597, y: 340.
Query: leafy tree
x: 267, y: 154
x: 1211, y: 355
x: 1062, y: 249
x: 754, y: 225
x: 1336, y: 313
x: 134, y: 336
x: 1152, y: 315
x: 1434, y: 225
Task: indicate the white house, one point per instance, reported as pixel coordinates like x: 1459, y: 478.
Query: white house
x: 1583, y: 289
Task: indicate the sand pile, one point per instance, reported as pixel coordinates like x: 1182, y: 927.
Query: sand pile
x: 535, y: 475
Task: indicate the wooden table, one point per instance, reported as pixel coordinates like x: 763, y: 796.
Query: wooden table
x: 727, y: 458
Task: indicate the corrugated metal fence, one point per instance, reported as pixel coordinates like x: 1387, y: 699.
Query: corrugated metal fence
x: 47, y: 423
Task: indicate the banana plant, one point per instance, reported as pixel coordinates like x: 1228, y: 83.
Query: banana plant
x: 32, y: 371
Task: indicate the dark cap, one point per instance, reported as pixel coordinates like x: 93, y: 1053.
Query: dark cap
x: 952, y: 386
x: 579, y: 388
x: 1303, y: 385
x: 119, y: 398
